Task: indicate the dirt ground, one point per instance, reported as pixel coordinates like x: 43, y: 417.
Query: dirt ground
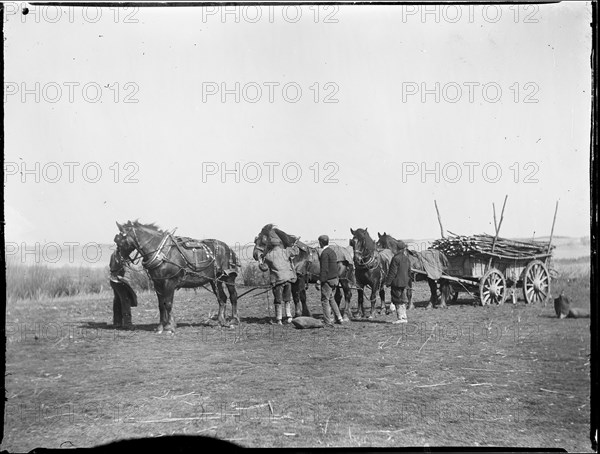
x: 464, y: 376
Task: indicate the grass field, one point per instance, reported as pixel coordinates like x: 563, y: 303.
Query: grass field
x: 465, y: 376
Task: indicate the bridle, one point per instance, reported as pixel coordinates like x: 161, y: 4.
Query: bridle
x: 155, y: 260
x: 360, y: 261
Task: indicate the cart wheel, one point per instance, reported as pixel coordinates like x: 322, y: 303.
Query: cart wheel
x: 492, y: 287
x: 536, y: 282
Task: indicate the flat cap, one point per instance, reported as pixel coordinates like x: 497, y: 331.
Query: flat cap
x: 324, y: 239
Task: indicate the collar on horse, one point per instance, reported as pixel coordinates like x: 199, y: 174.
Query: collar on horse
x: 158, y: 257
x: 370, y: 264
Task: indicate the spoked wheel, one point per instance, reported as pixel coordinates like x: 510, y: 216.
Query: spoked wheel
x: 536, y: 282
x: 492, y: 287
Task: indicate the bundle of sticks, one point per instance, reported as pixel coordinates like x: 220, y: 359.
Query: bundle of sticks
x: 456, y: 245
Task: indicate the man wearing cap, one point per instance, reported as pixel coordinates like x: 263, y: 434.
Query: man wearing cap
x: 282, y: 274
x: 329, y: 280
x: 124, y: 296
x: 399, y: 278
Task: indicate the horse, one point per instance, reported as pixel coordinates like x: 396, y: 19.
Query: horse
x: 371, y: 267
x: 308, y: 267
x: 389, y: 242
x: 180, y: 262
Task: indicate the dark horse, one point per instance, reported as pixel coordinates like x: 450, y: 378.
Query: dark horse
x: 307, y: 267
x: 179, y: 262
x: 389, y: 242
x: 371, y: 268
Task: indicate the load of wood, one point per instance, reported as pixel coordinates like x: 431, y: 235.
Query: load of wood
x: 458, y: 245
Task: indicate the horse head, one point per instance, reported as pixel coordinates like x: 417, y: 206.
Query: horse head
x: 362, y: 245
x: 136, y: 236
x: 384, y: 241
x: 389, y: 242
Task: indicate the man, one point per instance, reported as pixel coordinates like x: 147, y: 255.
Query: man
x: 124, y: 296
x: 282, y: 274
x: 329, y: 280
x: 399, y: 278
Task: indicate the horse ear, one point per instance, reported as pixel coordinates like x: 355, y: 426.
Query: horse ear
x: 120, y: 227
x: 379, y: 234
x: 352, y: 231
x: 367, y: 229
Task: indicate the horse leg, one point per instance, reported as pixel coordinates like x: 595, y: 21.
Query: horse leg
x: 218, y: 290
x: 433, y: 289
x: 383, y: 303
x: 170, y: 323
x: 445, y: 293
x: 346, y: 310
x: 230, y: 283
x: 361, y: 298
x: 299, y: 295
x: 160, y: 292
x: 373, y: 299
x: 409, y: 294
x: 305, y: 310
x: 296, y: 294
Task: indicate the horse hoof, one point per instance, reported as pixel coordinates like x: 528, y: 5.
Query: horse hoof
x: 159, y: 330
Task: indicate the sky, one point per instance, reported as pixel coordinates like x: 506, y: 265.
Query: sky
x: 328, y: 117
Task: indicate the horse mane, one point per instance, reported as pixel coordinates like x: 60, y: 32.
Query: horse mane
x: 287, y: 240
x: 136, y: 224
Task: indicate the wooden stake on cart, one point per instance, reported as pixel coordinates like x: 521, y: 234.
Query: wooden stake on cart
x: 552, y: 230
x: 497, y: 227
x: 439, y: 218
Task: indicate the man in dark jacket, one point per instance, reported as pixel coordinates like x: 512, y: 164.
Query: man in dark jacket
x: 124, y: 296
x: 399, y: 278
x: 329, y: 281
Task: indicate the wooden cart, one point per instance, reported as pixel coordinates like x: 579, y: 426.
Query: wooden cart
x: 492, y: 277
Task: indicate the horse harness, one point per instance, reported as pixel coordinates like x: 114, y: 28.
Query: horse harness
x: 159, y: 257
x: 372, y: 264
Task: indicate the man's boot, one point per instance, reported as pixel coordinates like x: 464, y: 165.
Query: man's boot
x: 326, y: 313
x: 278, y: 313
x: 117, y: 315
x: 288, y: 312
x: 401, y: 311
